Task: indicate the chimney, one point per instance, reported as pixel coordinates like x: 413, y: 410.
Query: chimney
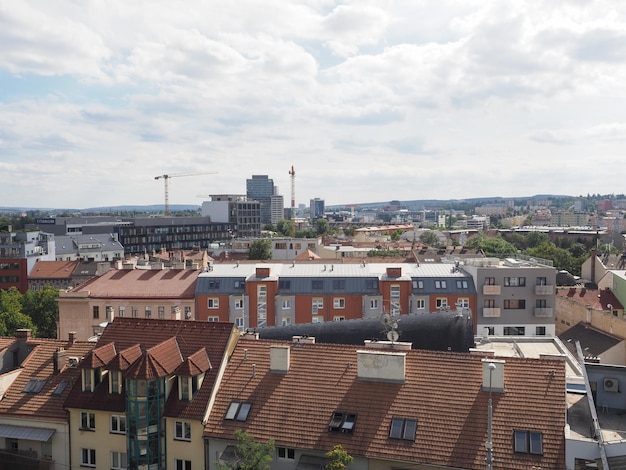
x: 493, y: 375
x: 279, y: 359
x: 381, y: 366
x: 72, y: 337
x: 58, y: 360
x: 594, y: 260
x: 23, y: 334
x: 305, y: 339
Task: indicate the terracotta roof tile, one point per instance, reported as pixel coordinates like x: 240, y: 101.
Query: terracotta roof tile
x: 98, y: 357
x: 125, y: 358
x: 195, y: 364
x: 53, y: 269
x: 442, y: 392
x: 158, y: 361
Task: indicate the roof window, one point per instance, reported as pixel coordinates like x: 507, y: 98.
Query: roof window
x: 342, y: 421
x: 238, y: 411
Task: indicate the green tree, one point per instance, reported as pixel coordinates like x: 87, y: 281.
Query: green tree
x: 491, y: 246
x: 534, y: 239
x: 283, y: 226
x: 339, y: 459
x: 322, y: 226
x: 396, y: 234
x: 43, y: 309
x: 260, y: 249
x: 349, y: 231
x: 430, y: 238
x: 11, y: 316
x: 251, y: 455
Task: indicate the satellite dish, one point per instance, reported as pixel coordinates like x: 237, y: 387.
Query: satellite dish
x: 385, y: 319
x: 393, y: 336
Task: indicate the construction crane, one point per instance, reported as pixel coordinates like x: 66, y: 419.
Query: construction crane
x: 166, y: 179
x: 292, y: 173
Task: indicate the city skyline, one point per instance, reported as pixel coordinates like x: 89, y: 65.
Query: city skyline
x: 368, y: 101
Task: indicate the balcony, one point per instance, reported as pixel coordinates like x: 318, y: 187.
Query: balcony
x: 544, y: 290
x: 491, y: 312
x: 24, y: 460
x: 491, y: 290
x: 543, y: 312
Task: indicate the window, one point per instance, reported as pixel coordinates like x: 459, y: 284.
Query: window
x: 115, y: 381
x: 462, y: 302
x: 60, y: 388
x: 240, y: 284
x: 87, y: 376
x: 134, y: 312
x: 286, y: 304
x: 528, y: 442
x: 286, y: 321
x: 373, y: 304
x: 118, y: 424
x: 402, y: 428
x: 462, y: 284
x: 239, y: 322
x: 439, y: 284
x: 490, y: 303
x: 441, y: 302
x: 238, y: 411
x: 339, y: 318
x: 540, y: 330
x: 284, y: 284
x: 394, y: 292
x: 121, y: 311
x: 183, y: 464
x: 339, y: 284
x: 239, y: 304
x: 148, y: 312
x: 161, y: 312
x: 286, y: 453
x: 514, y: 331
x: 420, y: 304
x: 541, y: 303
x: 542, y: 281
x: 96, y: 311
x: 189, y: 386
x: 514, y: 304
x: 182, y: 431
x: 371, y: 284
x: 213, y: 284
x: 87, y: 421
x: 342, y: 421
x: 213, y: 303
x: 514, y: 281
x: 317, y: 319
x: 490, y: 281
x: 34, y: 386
x: 317, y: 304
x: 118, y: 460
x: 339, y: 302
x: 317, y: 284
x: 418, y: 284
x: 490, y: 330
x: 213, y: 319
x: 88, y: 457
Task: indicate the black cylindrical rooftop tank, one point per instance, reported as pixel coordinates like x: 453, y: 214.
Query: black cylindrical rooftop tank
x: 441, y: 331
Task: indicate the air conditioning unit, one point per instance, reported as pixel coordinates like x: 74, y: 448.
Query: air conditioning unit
x: 73, y: 361
x: 611, y: 385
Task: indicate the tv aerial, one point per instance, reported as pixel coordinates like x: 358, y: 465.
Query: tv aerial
x: 391, y: 327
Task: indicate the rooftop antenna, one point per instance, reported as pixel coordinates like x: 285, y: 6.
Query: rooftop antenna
x: 292, y: 173
x: 391, y: 327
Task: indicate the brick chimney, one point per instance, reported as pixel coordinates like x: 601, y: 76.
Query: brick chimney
x: 23, y: 334
x: 58, y: 360
x: 72, y: 337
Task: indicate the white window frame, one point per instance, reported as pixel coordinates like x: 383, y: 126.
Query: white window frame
x: 239, y: 303
x: 441, y: 302
x: 239, y: 322
x: 181, y: 464
x: 182, y: 431
x: 286, y: 304
x: 420, y: 304
x: 339, y: 303
x: 463, y: 302
x: 119, y: 460
x: 212, y: 303
x: 339, y: 318
x: 213, y: 319
x: 116, y: 423
x: 87, y: 420
x: 317, y: 304
x: 373, y: 304
x: 87, y: 457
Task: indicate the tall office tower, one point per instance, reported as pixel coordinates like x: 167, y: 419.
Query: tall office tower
x: 317, y: 209
x: 261, y: 188
x: 277, y: 208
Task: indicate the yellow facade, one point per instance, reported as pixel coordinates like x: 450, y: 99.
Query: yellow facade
x: 102, y: 440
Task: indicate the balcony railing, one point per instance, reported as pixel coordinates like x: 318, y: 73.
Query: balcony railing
x: 491, y: 312
x: 543, y: 312
x: 544, y: 290
x: 491, y: 290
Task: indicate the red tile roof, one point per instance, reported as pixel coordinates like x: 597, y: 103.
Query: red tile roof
x: 442, y: 391
x: 39, y: 364
x: 53, y: 269
x: 164, y: 347
x: 140, y: 283
x: 195, y: 364
x: 598, y: 299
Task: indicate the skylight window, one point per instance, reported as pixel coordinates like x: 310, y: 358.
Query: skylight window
x: 342, y: 421
x: 238, y: 411
x: 402, y: 428
x: 60, y: 388
x: 34, y: 386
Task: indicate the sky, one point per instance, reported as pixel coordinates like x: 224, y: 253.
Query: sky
x: 370, y: 101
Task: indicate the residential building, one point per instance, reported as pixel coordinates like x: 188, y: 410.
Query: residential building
x: 19, y: 251
x: 57, y: 274
x: 133, y: 293
x: 261, y: 188
x: 391, y: 407
x: 235, y: 209
x: 271, y: 294
x: 36, y: 376
x: 145, y: 392
x: 515, y: 297
x: 94, y: 247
